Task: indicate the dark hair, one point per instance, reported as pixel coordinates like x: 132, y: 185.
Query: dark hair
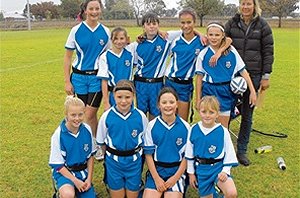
x: 83, y: 7
x: 189, y: 11
x: 167, y: 90
x: 117, y: 30
x: 150, y: 17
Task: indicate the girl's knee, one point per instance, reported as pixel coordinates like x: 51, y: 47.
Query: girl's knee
x: 231, y: 193
x: 67, y: 193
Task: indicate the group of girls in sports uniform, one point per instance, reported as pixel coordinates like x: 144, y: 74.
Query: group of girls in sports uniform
x: 171, y: 147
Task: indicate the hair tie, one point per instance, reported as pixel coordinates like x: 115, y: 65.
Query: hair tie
x: 215, y: 25
x: 123, y: 88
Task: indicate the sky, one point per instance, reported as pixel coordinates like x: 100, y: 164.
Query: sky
x: 10, y: 6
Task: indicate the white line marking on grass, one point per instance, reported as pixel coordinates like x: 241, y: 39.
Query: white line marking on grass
x: 28, y: 66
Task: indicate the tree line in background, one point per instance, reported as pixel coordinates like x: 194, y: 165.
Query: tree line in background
x: 133, y: 9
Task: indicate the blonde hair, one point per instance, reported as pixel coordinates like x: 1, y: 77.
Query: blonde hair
x: 210, y: 102
x: 257, y: 9
x: 72, y: 100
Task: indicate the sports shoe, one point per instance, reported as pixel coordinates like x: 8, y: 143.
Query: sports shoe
x: 99, y: 154
x: 243, y: 159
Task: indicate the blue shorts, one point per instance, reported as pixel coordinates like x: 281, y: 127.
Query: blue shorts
x: 207, y: 176
x: 147, y: 95
x: 60, y: 180
x: 84, y: 84
x: 184, y: 91
x: 165, y: 174
x: 223, y: 93
x: 124, y: 173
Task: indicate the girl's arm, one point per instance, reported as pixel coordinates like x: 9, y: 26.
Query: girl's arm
x: 67, y: 67
x: 252, y: 97
x: 105, y: 94
x: 80, y: 185
x: 159, y: 182
x: 213, y: 60
x: 198, y: 90
x: 172, y: 180
x: 203, y: 37
x: 90, y: 167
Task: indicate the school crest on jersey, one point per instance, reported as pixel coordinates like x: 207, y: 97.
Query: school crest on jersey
x: 86, y: 147
x: 228, y: 64
x: 179, y: 141
x: 134, y: 133
x: 197, y: 51
x: 101, y: 42
x: 212, y: 149
x: 158, y: 48
x: 127, y: 63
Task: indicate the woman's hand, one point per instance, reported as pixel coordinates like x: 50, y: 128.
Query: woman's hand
x: 264, y: 84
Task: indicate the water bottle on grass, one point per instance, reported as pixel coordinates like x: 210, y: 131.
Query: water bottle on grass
x: 263, y: 149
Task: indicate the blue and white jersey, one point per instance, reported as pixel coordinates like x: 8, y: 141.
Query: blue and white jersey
x: 167, y: 143
x: 227, y: 66
x: 183, y: 57
x: 71, y: 149
x: 213, y: 143
x: 114, y: 67
x: 151, y: 55
x: 89, y: 44
x: 121, y: 132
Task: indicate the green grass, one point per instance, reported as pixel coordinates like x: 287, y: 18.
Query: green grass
x: 31, y: 107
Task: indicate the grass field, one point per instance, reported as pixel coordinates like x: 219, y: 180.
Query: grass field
x: 31, y: 107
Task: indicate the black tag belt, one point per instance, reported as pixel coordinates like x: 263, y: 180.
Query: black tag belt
x: 207, y: 160
x: 87, y: 72
x: 123, y: 153
x: 148, y: 80
x: 181, y: 81
x: 219, y: 83
x: 166, y: 164
x: 79, y: 167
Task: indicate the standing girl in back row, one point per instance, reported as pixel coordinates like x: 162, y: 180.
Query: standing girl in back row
x: 216, y: 80
x: 115, y: 64
x: 89, y: 39
x: 184, y: 52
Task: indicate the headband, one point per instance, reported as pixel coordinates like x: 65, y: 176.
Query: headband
x: 123, y: 88
x: 215, y: 25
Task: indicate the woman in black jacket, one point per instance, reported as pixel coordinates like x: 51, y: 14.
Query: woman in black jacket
x: 253, y: 39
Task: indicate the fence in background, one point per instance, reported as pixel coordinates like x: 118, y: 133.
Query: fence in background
x: 12, y: 25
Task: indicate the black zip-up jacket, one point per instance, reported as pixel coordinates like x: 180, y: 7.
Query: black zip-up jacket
x: 253, y: 42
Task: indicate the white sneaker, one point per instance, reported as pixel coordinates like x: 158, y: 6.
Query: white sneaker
x: 99, y: 154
